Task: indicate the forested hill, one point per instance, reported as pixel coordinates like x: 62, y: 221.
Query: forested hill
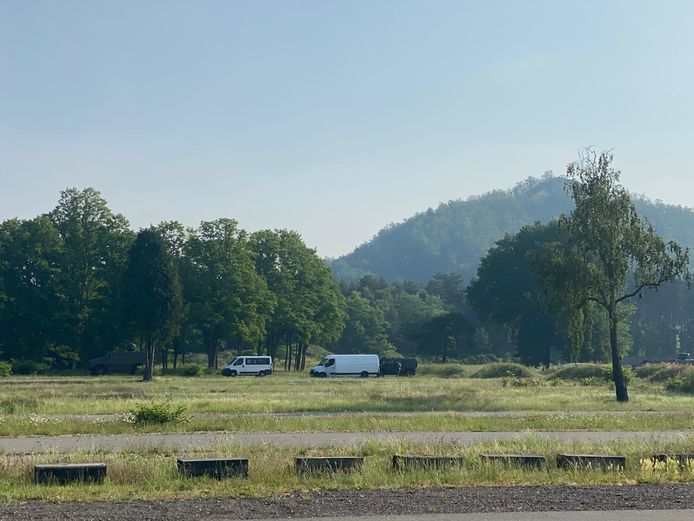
x: 457, y: 234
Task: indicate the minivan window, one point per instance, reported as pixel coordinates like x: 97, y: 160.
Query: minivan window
x: 239, y: 361
x: 329, y: 362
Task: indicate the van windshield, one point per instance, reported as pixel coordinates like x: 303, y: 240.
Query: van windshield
x: 327, y: 362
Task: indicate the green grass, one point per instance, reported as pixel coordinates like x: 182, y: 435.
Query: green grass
x: 434, y: 422
x: 38, y: 405
x: 152, y: 474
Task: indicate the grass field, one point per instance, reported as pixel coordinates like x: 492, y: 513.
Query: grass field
x: 152, y: 474
x: 66, y: 405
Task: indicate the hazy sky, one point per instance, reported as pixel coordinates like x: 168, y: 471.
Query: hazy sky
x: 334, y: 118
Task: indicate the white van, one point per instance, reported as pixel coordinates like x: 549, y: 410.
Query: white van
x: 347, y: 365
x: 249, y: 365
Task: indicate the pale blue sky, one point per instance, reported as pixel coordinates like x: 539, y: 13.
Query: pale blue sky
x: 334, y: 118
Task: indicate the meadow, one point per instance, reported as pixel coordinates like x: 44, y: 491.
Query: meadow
x: 434, y: 400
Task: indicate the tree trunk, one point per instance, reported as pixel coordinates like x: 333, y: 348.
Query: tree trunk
x: 149, y: 365
x: 620, y: 384
x: 212, y: 356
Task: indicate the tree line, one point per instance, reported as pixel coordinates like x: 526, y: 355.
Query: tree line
x: 77, y: 282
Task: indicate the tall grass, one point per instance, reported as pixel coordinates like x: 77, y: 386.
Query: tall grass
x: 152, y: 474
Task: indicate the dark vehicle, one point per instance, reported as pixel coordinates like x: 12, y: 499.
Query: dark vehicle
x: 399, y: 366
x: 117, y: 362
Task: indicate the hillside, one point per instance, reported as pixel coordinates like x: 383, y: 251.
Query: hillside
x: 458, y: 233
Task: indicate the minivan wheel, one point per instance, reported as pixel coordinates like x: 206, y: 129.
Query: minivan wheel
x: 233, y: 373
x: 364, y: 374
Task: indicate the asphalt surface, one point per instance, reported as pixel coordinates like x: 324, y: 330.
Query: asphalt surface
x: 635, y: 502
x: 202, y: 440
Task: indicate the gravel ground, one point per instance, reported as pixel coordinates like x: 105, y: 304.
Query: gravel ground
x: 372, y: 502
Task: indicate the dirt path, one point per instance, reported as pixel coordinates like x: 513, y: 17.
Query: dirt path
x: 199, y: 440
x: 370, y: 502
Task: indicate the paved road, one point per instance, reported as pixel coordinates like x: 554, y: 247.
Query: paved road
x: 201, y: 440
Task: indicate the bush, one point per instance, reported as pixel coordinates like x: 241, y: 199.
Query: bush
x: 648, y: 370
x: 158, y: 413
x: 667, y: 372
x: 590, y: 374
x: 193, y: 370
x: 25, y: 367
x: 5, y: 369
x: 682, y: 383
x: 503, y: 370
x: 442, y: 370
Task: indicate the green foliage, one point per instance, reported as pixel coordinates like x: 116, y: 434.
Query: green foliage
x: 449, y: 370
x: 193, y: 370
x: 666, y: 372
x: 480, y: 359
x: 503, y: 369
x: 506, y: 292
x: 647, y: 371
x: 5, y: 369
x: 28, y: 367
x: 607, y: 241
x: 159, y: 412
x: 582, y: 372
x: 154, y: 306
x: 683, y: 382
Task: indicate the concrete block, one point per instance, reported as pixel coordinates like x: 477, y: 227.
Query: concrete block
x: 214, y: 467
x: 594, y: 461
x: 311, y: 464
x: 408, y: 461
x: 70, y: 472
x: 515, y: 460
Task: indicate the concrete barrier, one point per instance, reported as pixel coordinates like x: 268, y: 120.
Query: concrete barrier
x: 594, y: 461
x: 214, y: 467
x: 405, y: 461
x: 310, y: 464
x: 515, y: 460
x: 69, y: 472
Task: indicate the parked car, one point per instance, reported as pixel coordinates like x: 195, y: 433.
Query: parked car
x: 399, y: 366
x: 117, y: 362
x: 347, y: 365
x: 249, y: 365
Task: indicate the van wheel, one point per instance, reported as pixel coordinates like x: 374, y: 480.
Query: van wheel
x: 233, y: 373
x: 323, y: 375
x: 364, y: 374
x: 99, y: 370
x: 409, y: 372
x: 261, y: 373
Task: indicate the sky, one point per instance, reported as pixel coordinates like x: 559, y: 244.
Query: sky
x: 334, y: 118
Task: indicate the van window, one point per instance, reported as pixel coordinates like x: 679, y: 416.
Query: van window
x: 329, y: 362
x: 239, y: 361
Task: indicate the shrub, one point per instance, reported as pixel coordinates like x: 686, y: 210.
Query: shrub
x: 503, y: 369
x: 25, y: 367
x: 682, y: 383
x: 442, y: 370
x: 158, y: 413
x: 667, y: 372
x: 193, y: 370
x: 648, y: 370
x: 5, y: 369
x: 589, y: 374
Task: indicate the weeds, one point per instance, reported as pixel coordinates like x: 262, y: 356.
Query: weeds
x: 158, y: 413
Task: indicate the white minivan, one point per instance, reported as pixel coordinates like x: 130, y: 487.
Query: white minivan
x: 249, y: 365
x: 347, y: 365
